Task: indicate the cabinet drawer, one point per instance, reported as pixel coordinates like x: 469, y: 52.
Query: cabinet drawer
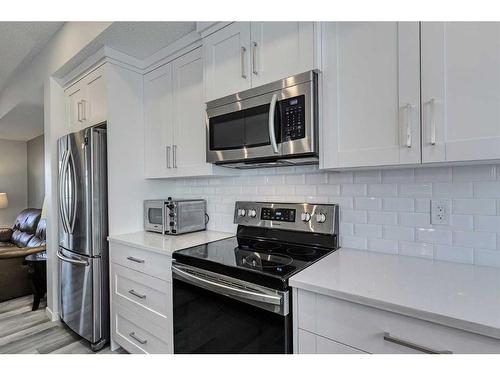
x: 133, y: 289
x: 309, y: 343
x: 137, y: 335
x: 377, y: 331
x: 150, y: 263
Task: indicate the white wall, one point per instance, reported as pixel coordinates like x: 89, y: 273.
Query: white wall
x: 381, y: 210
x: 36, y: 172
x: 13, y: 179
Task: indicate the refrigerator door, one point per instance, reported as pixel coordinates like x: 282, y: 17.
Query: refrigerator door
x: 82, y: 192
x: 80, y: 294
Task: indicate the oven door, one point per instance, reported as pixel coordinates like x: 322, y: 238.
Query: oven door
x: 154, y: 216
x: 259, y: 127
x: 215, y: 314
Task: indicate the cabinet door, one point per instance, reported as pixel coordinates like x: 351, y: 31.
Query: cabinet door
x: 460, y: 91
x: 74, y: 107
x: 280, y: 50
x: 227, y: 61
x: 158, y: 121
x: 95, y: 103
x: 371, y: 94
x: 189, y: 146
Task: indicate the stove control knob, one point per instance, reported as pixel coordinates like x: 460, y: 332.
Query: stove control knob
x: 252, y: 213
x: 320, y: 217
x: 242, y: 212
x: 305, y: 217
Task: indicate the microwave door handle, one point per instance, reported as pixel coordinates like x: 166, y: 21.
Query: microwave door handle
x: 272, y: 135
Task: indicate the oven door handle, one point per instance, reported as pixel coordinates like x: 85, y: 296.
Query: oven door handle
x: 272, y: 135
x: 225, y: 289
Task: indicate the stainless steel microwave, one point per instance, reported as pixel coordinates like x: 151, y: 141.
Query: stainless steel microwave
x: 271, y: 125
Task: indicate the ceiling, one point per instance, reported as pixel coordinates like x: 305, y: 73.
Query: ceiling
x: 22, y: 123
x: 20, y: 42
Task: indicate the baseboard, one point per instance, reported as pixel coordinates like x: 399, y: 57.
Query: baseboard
x: 53, y: 317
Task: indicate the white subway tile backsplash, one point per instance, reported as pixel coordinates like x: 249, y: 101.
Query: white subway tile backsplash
x: 416, y: 249
x: 368, y: 230
x: 398, y: 204
x: 475, y: 239
x: 379, y: 217
x: 355, y: 190
x: 415, y: 190
x: 454, y: 254
x: 383, y: 190
x: 455, y: 190
x: 392, y: 232
x: 474, y: 206
x: 435, y: 236
x: 367, y: 203
x: 383, y: 246
x: 380, y: 210
x: 468, y: 173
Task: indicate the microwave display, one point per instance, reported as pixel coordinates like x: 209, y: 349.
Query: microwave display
x: 292, y: 118
x: 155, y: 216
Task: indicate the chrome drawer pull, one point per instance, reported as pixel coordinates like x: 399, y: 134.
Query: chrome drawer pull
x: 134, y: 293
x: 138, y: 339
x: 408, y: 344
x: 137, y: 260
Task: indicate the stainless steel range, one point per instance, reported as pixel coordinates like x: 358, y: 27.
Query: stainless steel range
x: 232, y: 295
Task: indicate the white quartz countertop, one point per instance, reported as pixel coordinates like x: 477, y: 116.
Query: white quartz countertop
x: 456, y: 295
x: 167, y: 244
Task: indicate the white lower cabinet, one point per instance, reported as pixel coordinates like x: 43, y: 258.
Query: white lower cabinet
x: 329, y: 325
x: 141, y: 300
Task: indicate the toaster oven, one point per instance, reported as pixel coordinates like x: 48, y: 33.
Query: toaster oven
x: 170, y: 216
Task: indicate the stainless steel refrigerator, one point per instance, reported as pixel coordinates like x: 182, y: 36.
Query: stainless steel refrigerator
x: 83, y: 228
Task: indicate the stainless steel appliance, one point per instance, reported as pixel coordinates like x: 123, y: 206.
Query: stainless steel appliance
x: 174, y: 216
x: 232, y: 295
x: 268, y: 126
x: 83, y: 228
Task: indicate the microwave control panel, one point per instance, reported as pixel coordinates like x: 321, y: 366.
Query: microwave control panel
x: 293, y: 118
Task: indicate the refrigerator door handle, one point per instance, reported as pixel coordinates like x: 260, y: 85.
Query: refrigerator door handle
x: 62, y: 195
x: 72, y: 261
x: 73, y: 203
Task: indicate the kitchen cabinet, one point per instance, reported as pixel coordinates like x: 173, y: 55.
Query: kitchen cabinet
x: 325, y: 324
x: 86, y: 103
x: 460, y: 91
x: 141, y: 300
x: 174, y: 120
x: 371, y: 94
x: 250, y: 54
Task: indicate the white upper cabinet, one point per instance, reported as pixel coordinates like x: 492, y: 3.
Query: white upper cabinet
x: 371, y: 94
x: 158, y: 121
x: 86, y: 103
x: 460, y: 91
x: 227, y: 61
x: 250, y: 54
x: 281, y: 49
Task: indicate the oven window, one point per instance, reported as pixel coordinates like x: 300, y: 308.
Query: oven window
x: 206, y: 322
x: 246, y: 128
x: 155, y: 216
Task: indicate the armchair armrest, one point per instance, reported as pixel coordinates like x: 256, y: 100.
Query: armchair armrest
x: 21, y: 252
x: 5, y: 234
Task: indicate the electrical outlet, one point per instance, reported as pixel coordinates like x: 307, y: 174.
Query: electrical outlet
x: 440, y: 211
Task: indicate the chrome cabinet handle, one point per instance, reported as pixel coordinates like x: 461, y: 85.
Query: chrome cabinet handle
x: 272, y: 135
x: 79, y: 111
x: 408, y: 344
x: 167, y: 152
x: 137, y: 260
x: 408, y: 125
x: 174, y: 150
x: 432, y: 119
x: 134, y: 293
x: 242, y: 57
x: 254, y: 59
x: 138, y: 339
x: 84, y: 110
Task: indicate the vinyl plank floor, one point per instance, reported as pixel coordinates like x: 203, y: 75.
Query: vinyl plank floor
x: 31, y: 332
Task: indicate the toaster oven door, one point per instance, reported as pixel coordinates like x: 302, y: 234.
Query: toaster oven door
x: 154, y: 216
